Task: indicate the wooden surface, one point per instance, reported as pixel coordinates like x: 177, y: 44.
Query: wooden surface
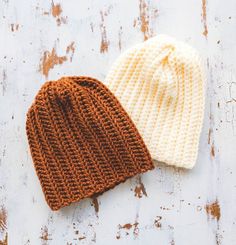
x: 42, y: 40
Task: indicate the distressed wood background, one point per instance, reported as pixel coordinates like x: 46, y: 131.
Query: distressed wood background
x: 41, y: 40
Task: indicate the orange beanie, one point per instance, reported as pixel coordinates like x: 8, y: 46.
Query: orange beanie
x: 82, y: 141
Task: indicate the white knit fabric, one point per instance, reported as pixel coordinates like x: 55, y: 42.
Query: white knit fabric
x: 160, y: 84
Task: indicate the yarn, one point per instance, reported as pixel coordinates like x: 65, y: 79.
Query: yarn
x: 160, y: 83
x: 82, y: 141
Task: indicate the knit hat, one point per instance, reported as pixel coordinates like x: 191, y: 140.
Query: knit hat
x: 160, y: 84
x: 82, y: 141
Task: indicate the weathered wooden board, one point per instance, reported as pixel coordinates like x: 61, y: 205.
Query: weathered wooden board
x: 42, y: 40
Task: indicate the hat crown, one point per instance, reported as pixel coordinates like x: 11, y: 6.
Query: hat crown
x: 62, y: 90
x: 162, y: 62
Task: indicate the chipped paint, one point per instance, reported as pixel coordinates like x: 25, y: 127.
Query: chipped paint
x: 3, y: 219
x: 209, y: 136
x: 164, y: 208
x: 218, y: 237
x: 104, y: 40
x: 45, y: 236
x: 210, y: 142
x: 71, y: 49
x: 127, y: 228
x: 204, y: 18
x: 199, y: 208
x: 157, y: 222
x: 3, y: 226
x: 144, y: 18
x: 212, y: 152
x: 95, y: 204
x: 119, y: 38
x: 14, y: 27
x: 94, y: 239
x: 136, y: 229
x: 3, y: 83
x: 140, y: 190
x: 92, y: 27
x: 49, y: 60
x: 213, y: 210
x: 56, y: 11
x: 172, y: 242
x: 147, y: 15
x: 5, y: 240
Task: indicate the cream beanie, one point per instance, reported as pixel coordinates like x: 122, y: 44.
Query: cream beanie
x: 160, y: 83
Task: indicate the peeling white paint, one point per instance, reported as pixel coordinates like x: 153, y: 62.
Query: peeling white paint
x: 177, y: 196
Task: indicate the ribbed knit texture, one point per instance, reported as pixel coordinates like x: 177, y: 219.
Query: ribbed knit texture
x: 160, y: 83
x: 82, y: 141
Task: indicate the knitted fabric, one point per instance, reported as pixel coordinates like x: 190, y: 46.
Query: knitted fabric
x: 160, y: 84
x: 82, y: 141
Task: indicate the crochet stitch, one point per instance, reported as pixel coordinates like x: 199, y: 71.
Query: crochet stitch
x: 82, y: 141
x: 160, y: 83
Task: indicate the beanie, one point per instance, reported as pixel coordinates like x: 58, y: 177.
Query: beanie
x: 160, y: 83
x: 82, y: 141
